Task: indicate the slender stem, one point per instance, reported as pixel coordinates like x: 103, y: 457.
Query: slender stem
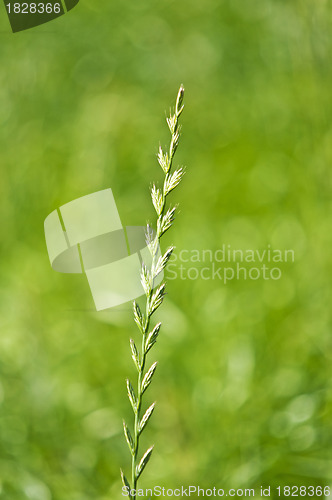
x: 139, y: 396
x: 153, y: 300
x: 137, y: 416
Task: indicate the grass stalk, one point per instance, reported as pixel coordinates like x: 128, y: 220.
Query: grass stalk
x: 154, y: 297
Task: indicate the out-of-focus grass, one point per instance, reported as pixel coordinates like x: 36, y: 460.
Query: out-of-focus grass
x: 243, y: 385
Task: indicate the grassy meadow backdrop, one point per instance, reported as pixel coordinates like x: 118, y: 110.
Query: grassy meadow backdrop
x: 244, y: 386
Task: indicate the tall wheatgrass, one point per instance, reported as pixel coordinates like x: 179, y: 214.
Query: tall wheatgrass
x: 154, y: 297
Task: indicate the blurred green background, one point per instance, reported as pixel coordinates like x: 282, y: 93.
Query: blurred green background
x: 244, y: 378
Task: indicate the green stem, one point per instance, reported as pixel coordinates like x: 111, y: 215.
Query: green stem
x: 134, y: 479
x: 145, y: 329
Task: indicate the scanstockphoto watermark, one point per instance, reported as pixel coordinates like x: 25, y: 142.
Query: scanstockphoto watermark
x: 187, y: 491
x: 263, y: 491
x: 226, y: 264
